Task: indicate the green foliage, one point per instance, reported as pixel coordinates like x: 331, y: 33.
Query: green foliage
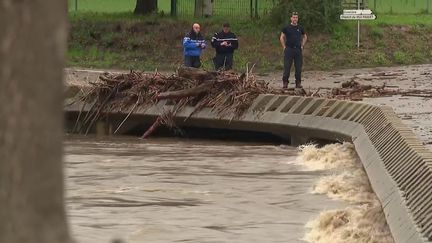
x: 125, y: 41
x: 376, y: 32
x: 314, y: 15
x: 380, y: 58
x: 402, y: 57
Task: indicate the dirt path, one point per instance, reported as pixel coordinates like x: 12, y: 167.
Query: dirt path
x: 416, y: 112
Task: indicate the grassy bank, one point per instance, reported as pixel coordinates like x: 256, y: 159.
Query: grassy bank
x: 127, y: 42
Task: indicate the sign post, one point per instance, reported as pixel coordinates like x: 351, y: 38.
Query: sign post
x: 358, y: 27
x: 358, y: 14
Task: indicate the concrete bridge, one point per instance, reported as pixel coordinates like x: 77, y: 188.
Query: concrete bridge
x: 399, y: 167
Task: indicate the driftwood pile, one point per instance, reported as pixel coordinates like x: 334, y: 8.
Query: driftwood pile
x: 353, y: 90
x: 226, y: 93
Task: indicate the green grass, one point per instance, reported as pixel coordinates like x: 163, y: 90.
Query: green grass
x: 121, y: 40
x: 242, y: 7
x: 112, y: 6
x: 401, y: 19
x: 400, y: 6
x: 238, y: 8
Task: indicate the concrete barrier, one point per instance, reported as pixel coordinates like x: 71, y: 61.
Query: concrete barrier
x: 399, y: 167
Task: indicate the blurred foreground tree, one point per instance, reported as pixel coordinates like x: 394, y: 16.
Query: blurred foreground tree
x: 145, y: 6
x: 32, y: 47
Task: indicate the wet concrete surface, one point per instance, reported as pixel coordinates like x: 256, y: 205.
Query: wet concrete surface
x: 416, y: 112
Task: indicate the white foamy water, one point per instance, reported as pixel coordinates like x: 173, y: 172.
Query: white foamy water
x: 363, y: 220
x: 332, y: 156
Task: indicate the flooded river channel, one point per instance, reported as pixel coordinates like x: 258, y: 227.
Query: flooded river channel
x: 175, y: 190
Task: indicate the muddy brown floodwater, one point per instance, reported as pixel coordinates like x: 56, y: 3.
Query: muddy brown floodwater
x: 169, y: 190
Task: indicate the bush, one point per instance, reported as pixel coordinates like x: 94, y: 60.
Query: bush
x: 314, y: 15
x: 380, y: 58
x: 401, y: 57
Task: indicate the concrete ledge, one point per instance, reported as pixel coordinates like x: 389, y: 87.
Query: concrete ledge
x: 398, y: 165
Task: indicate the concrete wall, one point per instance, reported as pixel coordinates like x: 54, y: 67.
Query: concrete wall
x: 398, y: 165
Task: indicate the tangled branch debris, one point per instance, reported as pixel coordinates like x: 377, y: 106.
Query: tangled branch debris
x: 225, y: 93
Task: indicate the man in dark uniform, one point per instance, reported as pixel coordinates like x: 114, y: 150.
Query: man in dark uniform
x: 293, y: 39
x: 225, y: 42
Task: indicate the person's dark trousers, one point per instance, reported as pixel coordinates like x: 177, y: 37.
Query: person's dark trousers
x: 292, y: 55
x: 223, y: 61
x: 192, y: 61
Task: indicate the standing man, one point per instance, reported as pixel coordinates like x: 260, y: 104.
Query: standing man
x: 225, y: 42
x: 293, y: 39
x: 193, y: 44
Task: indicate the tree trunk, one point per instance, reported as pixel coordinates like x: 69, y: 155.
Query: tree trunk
x: 208, y: 8
x: 145, y: 7
x: 32, y: 53
x: 196, y: 74
x: 203, y: 8
x: 199, y: 8
x: 195, y: 91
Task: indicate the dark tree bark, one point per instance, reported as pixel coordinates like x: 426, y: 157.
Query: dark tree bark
x: 203, y: 8
x: 195, y: 91
x: 196, y: 73
x: 32, y: 49
x: 145, y: 7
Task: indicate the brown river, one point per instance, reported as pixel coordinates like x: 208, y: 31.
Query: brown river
x: 177, y: 190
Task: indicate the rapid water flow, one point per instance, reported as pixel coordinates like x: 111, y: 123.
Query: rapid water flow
x: 173, y: 190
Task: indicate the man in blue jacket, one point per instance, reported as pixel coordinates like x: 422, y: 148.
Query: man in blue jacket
x: 193, y: 44
x: 225, y: 42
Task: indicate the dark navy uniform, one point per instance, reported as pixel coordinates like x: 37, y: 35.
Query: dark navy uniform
x: 224, y: 54
x: 293, y: 53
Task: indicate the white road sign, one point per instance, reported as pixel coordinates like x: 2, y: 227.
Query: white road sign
x: 358, y: 17
x: 358, y: 14
x: 357, y: 11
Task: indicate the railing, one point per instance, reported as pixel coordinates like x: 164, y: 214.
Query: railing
x: 244, y: 8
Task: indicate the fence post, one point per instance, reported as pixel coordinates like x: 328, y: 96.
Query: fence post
x: 428, y: 6
x: 251, y: 8
x: 174, y: 8
x: 256, y: 8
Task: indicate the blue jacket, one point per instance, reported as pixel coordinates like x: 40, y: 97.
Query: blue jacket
x: 190, y: 44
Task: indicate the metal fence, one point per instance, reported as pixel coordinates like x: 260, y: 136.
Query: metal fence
x: 259, y: 8
x: 244, y: 8
x: 401, y: 6
x: 237, y: 9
